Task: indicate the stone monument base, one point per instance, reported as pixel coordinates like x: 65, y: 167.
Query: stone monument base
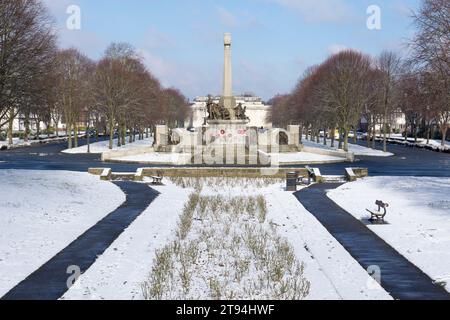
x: 226, y: 132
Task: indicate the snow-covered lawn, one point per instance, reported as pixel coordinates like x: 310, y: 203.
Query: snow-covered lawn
x: 354, y: 148
x: 120, y: 271
x: 103, y: 146
x: 437, y: 144
x: 158, y: 158
x: 304, y: 157
x: 16, y: 143
x: 418, y: 216
x: 139, y: 254
x: 184, y: 158
x: 41, y: 212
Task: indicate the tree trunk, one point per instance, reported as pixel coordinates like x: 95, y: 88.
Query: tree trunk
x: 325, y: 136
x: 27, y: 127
x: 333, y: 138
x: 346, y: 140
x: 124, y: 134
x: 69, y: 134
x: 444, y: 134
x: 415, y: 134
x: 384, y: 134
x: 38, y: 129
x: 10, y: 127
x: 56, y: 129
x: 406, y: 132
x: 111, y: 134
x: 75, y: 135
x: 340, y: 139
x: 88, y: 138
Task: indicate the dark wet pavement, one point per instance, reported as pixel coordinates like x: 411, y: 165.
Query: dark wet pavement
x: 49, y: 282
x: 399, y: 277
x: 406, y: 162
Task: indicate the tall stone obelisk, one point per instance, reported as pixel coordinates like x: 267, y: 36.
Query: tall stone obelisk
x: 228, y: 100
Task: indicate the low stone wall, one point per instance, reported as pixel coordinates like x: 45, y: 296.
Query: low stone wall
x: 110, y: 155
x: 349, y: 156
x: 241, y: 172
x: 361, y: 172
x: 220, y: 172
x: 350, y: 175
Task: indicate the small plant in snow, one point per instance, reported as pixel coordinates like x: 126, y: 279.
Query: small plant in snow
x: 226, y: 248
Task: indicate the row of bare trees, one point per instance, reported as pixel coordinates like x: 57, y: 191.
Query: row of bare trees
x: 27, y: 46
x: 351, y: 86
x: 117, y: 95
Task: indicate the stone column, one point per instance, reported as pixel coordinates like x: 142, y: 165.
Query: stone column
x: 228, y: 100
x: 294, y: 135
x: 162, y: 136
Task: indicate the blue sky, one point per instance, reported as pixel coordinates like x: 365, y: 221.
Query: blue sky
x: 274, y: 41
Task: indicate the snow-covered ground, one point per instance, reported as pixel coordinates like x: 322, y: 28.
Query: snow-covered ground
x: 120, y: 272
x: 354, y: 148
x: 158, y: 157
x: 304, y: 157
x: 41, y: 212
x: 103, y: 146
x: 437, y: 144
x: 17, y: 142
x: 418, y: 216
x: 184, y: 158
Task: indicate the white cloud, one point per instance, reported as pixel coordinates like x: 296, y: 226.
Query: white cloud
x: 319, y: 10
x: 227, y: 18
x: 58, y: 7
x: 155, y: 39
x: 336, y: 48
x: 190, y: 79
x: 157, y: 66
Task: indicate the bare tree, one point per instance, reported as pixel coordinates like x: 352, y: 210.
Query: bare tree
x: 431, y: 54
x: 389, y: 66
x: 27, y: 44
x: 74, y: 70
x: 125, y: 90
x: 345, y: 88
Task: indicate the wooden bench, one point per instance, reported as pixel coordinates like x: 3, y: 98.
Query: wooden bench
x: 310, y: 176
x: 157, y: 180
x: 379, y: 215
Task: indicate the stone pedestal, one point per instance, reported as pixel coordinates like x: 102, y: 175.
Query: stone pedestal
x: 294, y: 135
x: 227, y: 132
x: 161, y: 136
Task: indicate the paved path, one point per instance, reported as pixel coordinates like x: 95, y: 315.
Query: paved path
x: 49, y: 282
x: 406, y: 162
x: 399, y: 277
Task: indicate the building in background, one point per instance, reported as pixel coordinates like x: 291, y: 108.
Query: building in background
x: 256, y: 110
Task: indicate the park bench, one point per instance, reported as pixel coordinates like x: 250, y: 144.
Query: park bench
x: 379, y: 214
x: 310, y: 176
x: 157, y: 180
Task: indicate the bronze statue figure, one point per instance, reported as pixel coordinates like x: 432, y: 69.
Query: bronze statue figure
x: 214, y: 110
x: 240, y: 112
x: 219, y: 112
